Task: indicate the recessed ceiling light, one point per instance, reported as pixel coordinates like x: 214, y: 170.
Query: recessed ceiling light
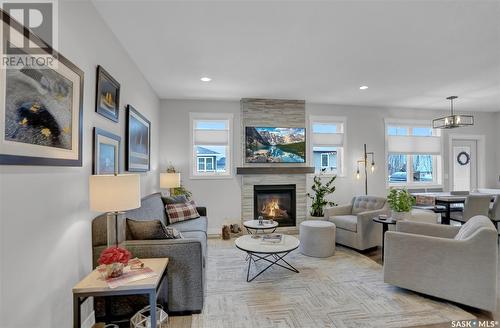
x: 363, y: 87
x: 206, y: 79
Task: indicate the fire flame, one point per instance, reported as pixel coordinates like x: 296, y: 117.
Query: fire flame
x: 271, y: 208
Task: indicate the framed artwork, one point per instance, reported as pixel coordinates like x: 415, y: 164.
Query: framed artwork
x: 107, y: 96
x: 138, y: 146
x: 106, y: 152
x: 41, y: 108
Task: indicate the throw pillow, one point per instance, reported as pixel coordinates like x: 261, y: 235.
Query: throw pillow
x: 181, y: 212
x: 472, y: 225
x: 173, y: 233
x: 180, y: 199
x: 151, y: 229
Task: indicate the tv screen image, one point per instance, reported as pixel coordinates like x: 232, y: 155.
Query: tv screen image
x: 275, y: 145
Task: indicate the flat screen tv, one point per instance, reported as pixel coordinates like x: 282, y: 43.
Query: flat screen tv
x: 275, y: 145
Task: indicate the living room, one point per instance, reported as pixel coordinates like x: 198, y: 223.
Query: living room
x: 198, y: 132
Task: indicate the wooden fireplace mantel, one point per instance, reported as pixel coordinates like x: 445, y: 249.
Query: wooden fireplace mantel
x: 275, y: 170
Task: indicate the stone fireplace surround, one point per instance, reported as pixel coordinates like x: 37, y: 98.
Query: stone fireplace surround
x: 273, y: 113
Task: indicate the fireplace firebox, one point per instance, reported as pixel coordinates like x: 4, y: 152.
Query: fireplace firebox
x: 275, y: 202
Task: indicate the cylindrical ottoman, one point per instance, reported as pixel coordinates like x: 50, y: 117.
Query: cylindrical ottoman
x: 317, y: 238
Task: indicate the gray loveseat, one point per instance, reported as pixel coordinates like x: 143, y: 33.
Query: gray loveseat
x: 187, y: 257
x: 354, y: 221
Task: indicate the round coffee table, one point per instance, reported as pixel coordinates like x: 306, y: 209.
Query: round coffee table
x: 255, y: 226
x: 272, y: 253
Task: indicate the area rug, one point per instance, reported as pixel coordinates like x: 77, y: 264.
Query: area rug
x: 345, y: 290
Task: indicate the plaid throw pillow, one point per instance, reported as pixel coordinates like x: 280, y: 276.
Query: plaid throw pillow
x: 181, y: 212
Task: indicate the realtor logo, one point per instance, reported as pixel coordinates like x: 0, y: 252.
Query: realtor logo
x: 36, y: 49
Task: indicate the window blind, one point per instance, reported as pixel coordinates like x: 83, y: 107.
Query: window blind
x: 414, y: 145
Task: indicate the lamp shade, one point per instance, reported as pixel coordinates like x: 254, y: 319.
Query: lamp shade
x: 170, y: 180
x: 114, y: 193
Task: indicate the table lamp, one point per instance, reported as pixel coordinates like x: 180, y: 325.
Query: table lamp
x: 114, y: 194
x: 170, y: 181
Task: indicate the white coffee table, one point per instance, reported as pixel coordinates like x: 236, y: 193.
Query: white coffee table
x: 272, y: 253
x: 255, y: 226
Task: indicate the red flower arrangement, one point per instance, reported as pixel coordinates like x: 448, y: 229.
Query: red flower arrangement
x: 114, y: 255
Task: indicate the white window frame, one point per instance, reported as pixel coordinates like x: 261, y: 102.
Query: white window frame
x: 193, y: 157
x: 327, y: 155
x: 437, y: 160
x: 330, y: 119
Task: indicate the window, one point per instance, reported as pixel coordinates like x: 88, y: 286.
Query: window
x: 413, y: 153
x: 327, y: 143
x: 206, y: 164
x: 325, y: 160
x: 211, y: 136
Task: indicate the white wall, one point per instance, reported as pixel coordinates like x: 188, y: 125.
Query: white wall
x: 364, y: 125
x: 497, y: 177
x: 45, y: 222
x: 223, y: 196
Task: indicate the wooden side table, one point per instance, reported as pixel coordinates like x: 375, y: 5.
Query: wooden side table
x: 385, y: 226
x: 95, y: 285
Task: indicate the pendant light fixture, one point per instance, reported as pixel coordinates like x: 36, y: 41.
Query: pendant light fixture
x: 454, y: 120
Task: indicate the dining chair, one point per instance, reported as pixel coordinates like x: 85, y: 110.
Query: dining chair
x: 474, y: 205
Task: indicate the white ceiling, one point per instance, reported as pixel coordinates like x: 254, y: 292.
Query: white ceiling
x: 411, y: 54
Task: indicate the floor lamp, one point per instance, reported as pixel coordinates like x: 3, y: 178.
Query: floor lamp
x: 114, y: 194
x: 364, y: 161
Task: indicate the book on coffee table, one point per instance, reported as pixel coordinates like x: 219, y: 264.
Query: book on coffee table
x: 272, y: 239
x: 129, y: 275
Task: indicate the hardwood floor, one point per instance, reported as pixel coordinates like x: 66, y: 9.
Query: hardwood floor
x: 375, y: 255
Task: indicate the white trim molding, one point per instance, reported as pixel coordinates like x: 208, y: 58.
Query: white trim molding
x: 481, y: 155
x: 415, y: 142
x: 338, y: 139
x: 229, y: 117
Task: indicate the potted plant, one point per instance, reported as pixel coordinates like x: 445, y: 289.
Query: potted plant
x: 115, y: 259
x: 401, y: 202
x: 321, y: 190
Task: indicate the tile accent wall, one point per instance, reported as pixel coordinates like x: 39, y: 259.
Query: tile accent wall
x: 272, y: 113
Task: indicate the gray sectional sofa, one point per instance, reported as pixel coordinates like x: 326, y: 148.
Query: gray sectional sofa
x: 187, y: 257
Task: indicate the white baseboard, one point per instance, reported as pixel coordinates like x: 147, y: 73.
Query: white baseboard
x: 90, y: 321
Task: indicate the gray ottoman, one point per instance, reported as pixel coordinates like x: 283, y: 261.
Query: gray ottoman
x: 317, y: 238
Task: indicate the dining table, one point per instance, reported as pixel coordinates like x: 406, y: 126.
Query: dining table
x: 447, y: 199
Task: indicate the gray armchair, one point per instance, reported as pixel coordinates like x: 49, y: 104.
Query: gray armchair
x: 355, y: 227
x: 454, y: 263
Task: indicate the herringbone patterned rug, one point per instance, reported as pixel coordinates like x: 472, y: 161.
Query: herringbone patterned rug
x: 345, y: 290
